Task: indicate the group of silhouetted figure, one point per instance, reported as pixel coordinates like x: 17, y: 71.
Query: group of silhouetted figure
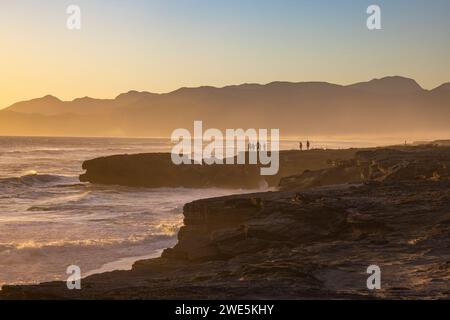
x: 308, y: 145
x: 256, y: 146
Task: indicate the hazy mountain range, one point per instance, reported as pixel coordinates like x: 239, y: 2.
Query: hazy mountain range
x: 391, y: 105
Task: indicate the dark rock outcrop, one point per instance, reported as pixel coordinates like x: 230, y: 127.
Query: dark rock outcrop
x: 157, y: 170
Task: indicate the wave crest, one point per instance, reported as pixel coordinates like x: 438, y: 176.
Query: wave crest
x: 33, y: 179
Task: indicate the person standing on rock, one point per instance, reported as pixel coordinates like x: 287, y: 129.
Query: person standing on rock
x: 300, y: 146
x: 307, y: 145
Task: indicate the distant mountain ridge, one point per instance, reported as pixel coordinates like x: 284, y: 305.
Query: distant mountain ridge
x: 391, y: 85
x: 388, y: 105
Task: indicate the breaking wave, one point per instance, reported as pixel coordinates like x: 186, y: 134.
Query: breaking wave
x: 35, y: 179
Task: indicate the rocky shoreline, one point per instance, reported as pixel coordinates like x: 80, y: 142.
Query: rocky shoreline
x: 312, y: 239
x: 156, y: 170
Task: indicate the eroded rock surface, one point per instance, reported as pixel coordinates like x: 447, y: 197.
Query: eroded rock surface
x: 381, y: 164
x: 312, y: 244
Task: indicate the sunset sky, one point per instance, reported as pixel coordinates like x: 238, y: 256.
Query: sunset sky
x: 161, y: 45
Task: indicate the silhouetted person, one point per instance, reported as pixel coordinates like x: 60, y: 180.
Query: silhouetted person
x: 307, y: 144
x: 258, y: 146
x: 300, y: 146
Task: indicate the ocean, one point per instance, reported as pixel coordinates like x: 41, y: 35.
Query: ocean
x: 49, y: 220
